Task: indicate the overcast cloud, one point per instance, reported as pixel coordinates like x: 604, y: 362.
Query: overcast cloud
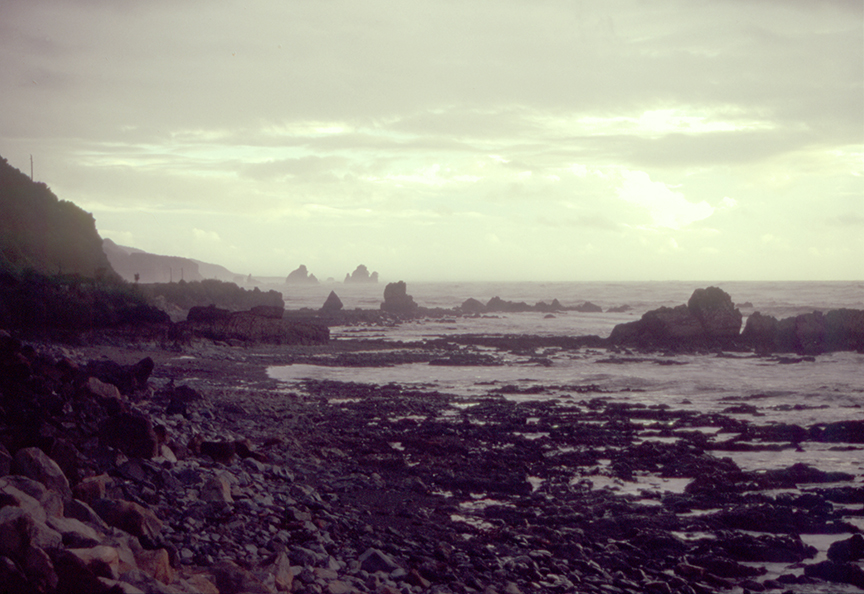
x: 441, y: 140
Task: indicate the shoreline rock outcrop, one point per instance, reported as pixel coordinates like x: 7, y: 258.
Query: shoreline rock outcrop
x: 711, y: 321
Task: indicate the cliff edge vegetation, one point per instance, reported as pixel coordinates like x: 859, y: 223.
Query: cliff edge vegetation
x: 40, y: 232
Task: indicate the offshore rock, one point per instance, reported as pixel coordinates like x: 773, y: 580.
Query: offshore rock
x: 804, y: 334
x: 714, y: 309
x: 397, y: 300
x: 664, y: 328
x: 361, y: 275
x: 709, y: 320
x: 301, y: 276
x: 332, y: 304
x: 809, y: 334
x: 588, y: 307
x: 498, y: 304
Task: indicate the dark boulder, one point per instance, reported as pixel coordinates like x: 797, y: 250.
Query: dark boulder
x: 498, y: 304
x: 851, y: 549
x: 332, y: 304
x: 397, y: 300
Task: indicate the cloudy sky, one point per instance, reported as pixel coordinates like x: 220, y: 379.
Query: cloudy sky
x: 452, y: 140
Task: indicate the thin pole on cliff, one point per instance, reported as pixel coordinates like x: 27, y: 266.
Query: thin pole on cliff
x: 31, y: 168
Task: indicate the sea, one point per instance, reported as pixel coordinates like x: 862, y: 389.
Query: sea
x: 827, y: 388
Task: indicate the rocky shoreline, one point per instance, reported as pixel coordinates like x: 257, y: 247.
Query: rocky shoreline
x: 192, y: 471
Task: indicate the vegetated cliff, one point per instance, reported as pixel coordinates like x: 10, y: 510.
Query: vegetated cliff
x: 38, y: 231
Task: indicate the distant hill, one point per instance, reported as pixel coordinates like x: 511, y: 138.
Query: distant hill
x: 38, y: 231
x: 153, y: 268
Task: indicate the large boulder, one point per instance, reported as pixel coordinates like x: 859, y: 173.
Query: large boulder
x: 397, y: 300
x: 714, y: 309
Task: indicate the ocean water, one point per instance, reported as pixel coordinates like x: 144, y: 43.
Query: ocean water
x: 780, y: 299
x: 826, y: 389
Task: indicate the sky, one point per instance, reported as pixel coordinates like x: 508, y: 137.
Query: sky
x: 452, y: 140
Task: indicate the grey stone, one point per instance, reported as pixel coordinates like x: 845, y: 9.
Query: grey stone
x: 35, y: 464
